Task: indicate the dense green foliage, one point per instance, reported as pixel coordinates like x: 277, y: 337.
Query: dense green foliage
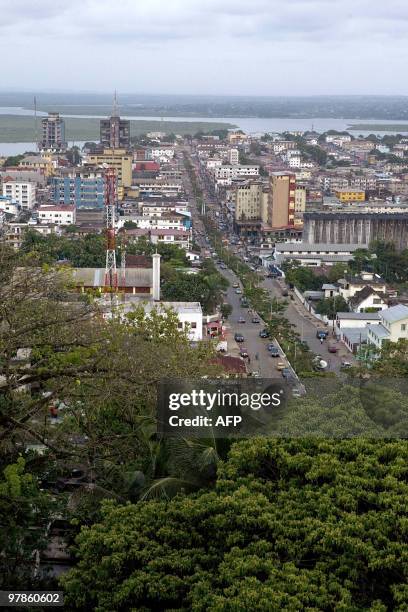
x: 303, y: 278
x: 24, y: 515
x: 292, y: 525
x: 331, y: 306
x: 205, y: 287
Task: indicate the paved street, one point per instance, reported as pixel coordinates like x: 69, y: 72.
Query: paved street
x: 265, y: 364
x: 306, y: 326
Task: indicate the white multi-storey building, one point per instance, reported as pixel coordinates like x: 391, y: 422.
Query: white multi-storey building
x: 60, y: 215
x: 234, y: 157
x: 22, y: 193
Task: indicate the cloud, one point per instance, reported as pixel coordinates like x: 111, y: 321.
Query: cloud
x: 191, y: 44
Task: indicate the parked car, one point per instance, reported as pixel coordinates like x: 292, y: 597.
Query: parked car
x: 238, y: 291
x: 274, y: 352
x: 270, y: 346
x: 286, y: 373
x: 241, y: 320
x: 254, y: 374
x: 235, y: 285
x: 285, y: 293
x: 322, y: 333
x: 239, y: 338
x: 264, y: 333
x: 255, y: 319
x: 243, y: 352
x: 281, y: 365
x: 244, y: 302
x: 345, y: 365
x: 332, y: 348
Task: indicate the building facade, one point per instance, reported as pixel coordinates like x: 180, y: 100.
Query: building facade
x: 21, y: 193
x: 53, y: 133
x: 119, y: 160
x: 281, y: 206
x: 83, y: 188
x: 115, y: 133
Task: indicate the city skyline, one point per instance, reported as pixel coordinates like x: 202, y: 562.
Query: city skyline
x: 300, y: 47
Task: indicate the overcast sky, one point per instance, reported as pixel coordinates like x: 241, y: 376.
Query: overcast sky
x: 258, y: 47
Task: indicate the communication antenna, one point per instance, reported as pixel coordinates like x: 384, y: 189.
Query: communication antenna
x: 115, y: 110
x: 111, y: 275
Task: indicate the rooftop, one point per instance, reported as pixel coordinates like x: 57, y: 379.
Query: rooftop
x: 322, y: 247
x: 395, y: 313
x: 359, y: 316
x: 95, y: 277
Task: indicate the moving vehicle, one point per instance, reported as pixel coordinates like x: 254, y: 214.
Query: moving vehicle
x: 244, y: 302
x: 332, y: 348
x: 322, y: 333
x: 254, y: 374
x: 243, y: 352
x: 264, y: 333
x: 235, y: 285
x: 270, y: 346
x: 255, y: 319
x: 241, y: 320
x: 238, y: 291
x: 281, y: 365
x: 239, y: 337
x: 286, y: 373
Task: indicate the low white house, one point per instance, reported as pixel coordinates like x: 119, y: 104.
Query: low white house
x: 368, y: 299
x: 60, y: 215
x: 393, y: 326
x: 356, y: 320
x: 189, y: 314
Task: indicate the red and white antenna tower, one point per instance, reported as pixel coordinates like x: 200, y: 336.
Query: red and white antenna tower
x: 111, y: 275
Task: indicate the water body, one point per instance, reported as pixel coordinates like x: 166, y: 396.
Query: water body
x: 250, y: 125
x: 18, y: 148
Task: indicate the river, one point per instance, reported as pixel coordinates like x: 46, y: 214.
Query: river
x: 250, y: 125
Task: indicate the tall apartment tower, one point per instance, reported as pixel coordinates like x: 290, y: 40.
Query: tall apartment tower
x: 281, y: 205
x: 114, y: 131
x: 53, y: 133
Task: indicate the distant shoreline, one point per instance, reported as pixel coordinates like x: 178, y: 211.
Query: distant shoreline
x: 379, y: 127
x: 20, y: 128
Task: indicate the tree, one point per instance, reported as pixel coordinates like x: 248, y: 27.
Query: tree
x: 226, y: 310
x: 336, y: 272
x: 362, y: 260
x: 292, y: 524
x: 331, y: 306
x: 25, y: 512
x: 13, y: 160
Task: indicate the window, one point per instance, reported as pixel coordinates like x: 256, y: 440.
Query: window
x: 403, y: 327
x: 180, y: 325
x: 193, y: 325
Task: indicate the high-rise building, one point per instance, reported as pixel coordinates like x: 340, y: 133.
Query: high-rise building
x: 53, y: 133
x: 248, y: 201
x: 233, y: 157
x: 281, y: 205
x: 114, y: 131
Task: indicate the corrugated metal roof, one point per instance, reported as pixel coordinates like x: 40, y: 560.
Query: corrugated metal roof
x: 395, y: 313
x: 95, y: 277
